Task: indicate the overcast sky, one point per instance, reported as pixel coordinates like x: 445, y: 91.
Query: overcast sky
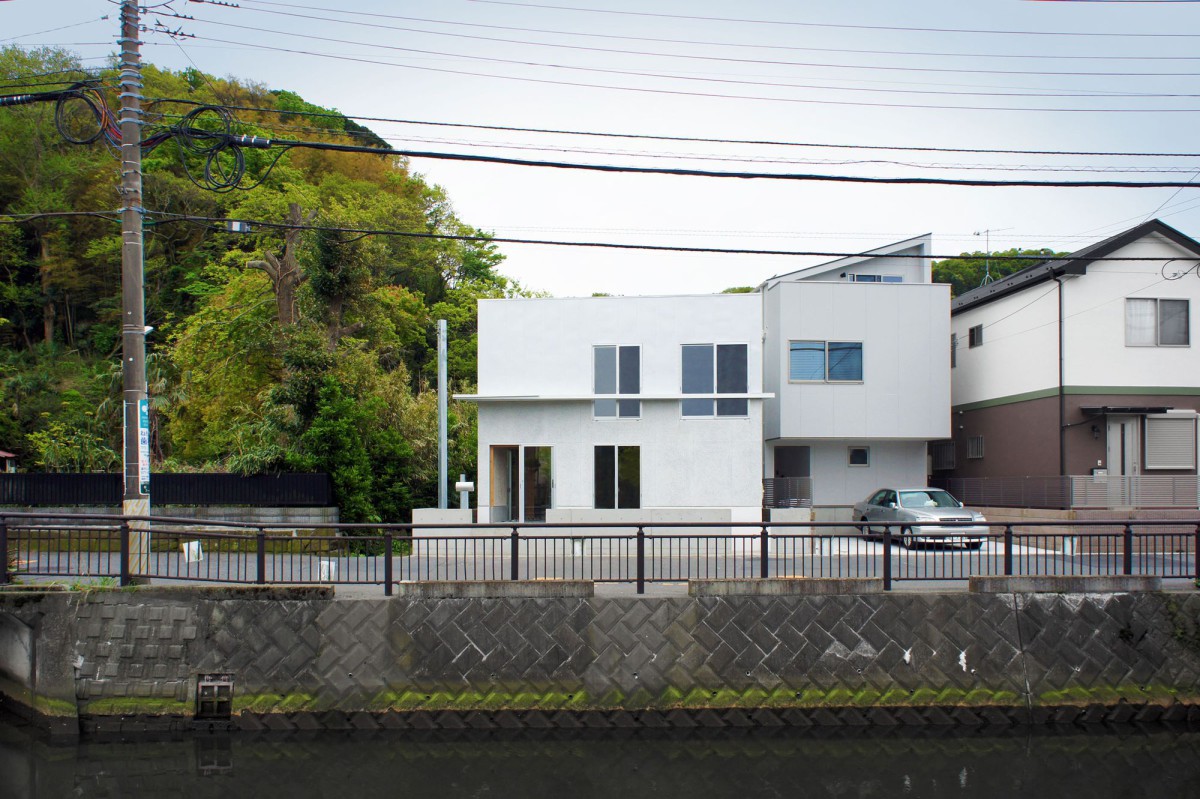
x: 803, y: 72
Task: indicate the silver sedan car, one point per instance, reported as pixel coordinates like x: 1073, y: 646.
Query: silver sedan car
x: 930, y: 508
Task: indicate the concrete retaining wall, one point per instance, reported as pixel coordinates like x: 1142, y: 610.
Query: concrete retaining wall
x: 129, y: 660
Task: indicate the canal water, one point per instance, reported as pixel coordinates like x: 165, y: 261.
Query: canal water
x: 1026, y: 763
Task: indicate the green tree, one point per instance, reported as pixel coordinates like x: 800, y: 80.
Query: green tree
x: 967, y: 271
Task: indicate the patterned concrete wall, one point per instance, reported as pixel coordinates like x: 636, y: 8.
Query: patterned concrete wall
x: 872, y: 659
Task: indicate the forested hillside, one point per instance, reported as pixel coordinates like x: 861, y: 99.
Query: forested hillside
x: 272, y: 350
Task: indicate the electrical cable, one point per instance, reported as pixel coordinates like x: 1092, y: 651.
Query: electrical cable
x: 698, y: 139
x: 248, y: 5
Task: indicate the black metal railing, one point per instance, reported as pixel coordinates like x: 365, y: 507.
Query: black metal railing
x: 123, y: 550
x: 260, y: 490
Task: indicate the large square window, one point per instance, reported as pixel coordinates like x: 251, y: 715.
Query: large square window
x: 617, y: 370
x: 715, y: 369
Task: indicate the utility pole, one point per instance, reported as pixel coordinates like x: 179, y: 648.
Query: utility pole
x: 136, y: 499
x: 443, y: 457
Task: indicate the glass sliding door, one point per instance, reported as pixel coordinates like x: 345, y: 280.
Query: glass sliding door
x: 505, y: 484
x: 538, y: 483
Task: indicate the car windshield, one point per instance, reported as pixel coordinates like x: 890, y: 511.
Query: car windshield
x: 927, y: 499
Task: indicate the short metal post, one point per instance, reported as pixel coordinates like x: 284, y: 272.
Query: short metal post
x: 261, y: 541
x: 1196, y: 554
x: 762, y: 554
x: 387, y: 564
x: 514, y: 572
x: 1129, y: 549
x: 641, y: 561
x: 887, y: 558
x: 4, y: 552
x: 125, y: 578
x: 1008, y: 550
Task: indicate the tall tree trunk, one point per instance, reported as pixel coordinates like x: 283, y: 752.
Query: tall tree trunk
x: 285, y: 273
x: 48, y: 310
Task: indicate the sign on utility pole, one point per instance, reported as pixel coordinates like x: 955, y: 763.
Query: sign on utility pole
x: 136, y: 500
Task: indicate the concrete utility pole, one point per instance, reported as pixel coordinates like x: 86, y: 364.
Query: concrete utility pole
x: 136, y: 500
x: 443, y: 457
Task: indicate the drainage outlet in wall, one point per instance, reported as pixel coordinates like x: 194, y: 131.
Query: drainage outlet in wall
x: 214, y: 697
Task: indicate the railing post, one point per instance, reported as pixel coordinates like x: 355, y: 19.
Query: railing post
x: 887, y: 558
x: 641, y: 561
x: 1008, y: 550
x: 762, y: 554
x: 387, y: 564
x: 1128, y: 549
x: 260, y: 540
x: 515, y: 549
x: 125, y: 578
x: 1196, y: 554
x: 3, y: 551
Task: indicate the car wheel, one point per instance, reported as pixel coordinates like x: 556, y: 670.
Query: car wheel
x: 865, y: 528
x: 907, y: 538
x: 975, y: 545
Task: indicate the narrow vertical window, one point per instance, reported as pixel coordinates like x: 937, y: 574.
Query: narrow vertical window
x: 698, y: 378
x: 617, y: 370
x: 732, y: 378
x: 953, y: 350
x: 975, y: 337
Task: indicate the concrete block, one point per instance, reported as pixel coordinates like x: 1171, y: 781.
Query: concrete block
x: 496, y: 589
x: 456, y: 516
x: 1082, y: 584
x: 786, y: 586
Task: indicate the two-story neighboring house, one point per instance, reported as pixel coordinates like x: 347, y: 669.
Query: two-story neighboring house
x: 617, y: 408
x: 857, y: 365
x: 1080, y: 364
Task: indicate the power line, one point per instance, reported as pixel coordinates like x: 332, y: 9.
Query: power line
x: 635, y: 73
x: 659, y: 54
x: 682, y: 93
x: 1124, y: 34
x: 698, y: 139
x: 237, y: 142
x: 246, y: 4
x: 167, y: 218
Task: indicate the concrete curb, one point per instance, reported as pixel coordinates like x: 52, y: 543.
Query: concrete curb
x: 786, y: 586
x: 1085, y: 584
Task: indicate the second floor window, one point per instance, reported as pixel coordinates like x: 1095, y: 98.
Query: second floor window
x: 825, y: 361
x: 617, y: 370
x: 1157, y: 323
x: 715, y: 369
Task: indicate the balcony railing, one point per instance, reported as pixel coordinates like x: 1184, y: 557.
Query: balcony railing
x: 787, y: 492
x: 1077, y: 491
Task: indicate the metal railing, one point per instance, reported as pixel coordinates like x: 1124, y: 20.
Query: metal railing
x: 787, y: 492
x: 179, y: 550
x: 1076, y: 491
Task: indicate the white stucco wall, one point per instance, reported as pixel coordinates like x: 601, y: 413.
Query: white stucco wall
x: 905, y: 331
x: 1020, y: 349
x: 544, y: 346
x: 893, y: 463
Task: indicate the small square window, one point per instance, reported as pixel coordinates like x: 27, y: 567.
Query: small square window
x: 975, y: 447
x: 859, y: 456
x: 975, y: 337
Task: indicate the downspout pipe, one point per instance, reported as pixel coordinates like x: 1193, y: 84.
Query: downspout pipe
x: 1062, y: 397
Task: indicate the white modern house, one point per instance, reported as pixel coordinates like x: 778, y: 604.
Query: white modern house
x: 1082, y: 367
x: 677, y: 408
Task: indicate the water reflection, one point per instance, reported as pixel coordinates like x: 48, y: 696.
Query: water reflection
x: 1019, y: 762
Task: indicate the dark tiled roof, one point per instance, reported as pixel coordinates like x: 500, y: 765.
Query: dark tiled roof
x: 1075, y: 264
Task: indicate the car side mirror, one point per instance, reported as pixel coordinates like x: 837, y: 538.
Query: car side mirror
x: 891, y: 504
